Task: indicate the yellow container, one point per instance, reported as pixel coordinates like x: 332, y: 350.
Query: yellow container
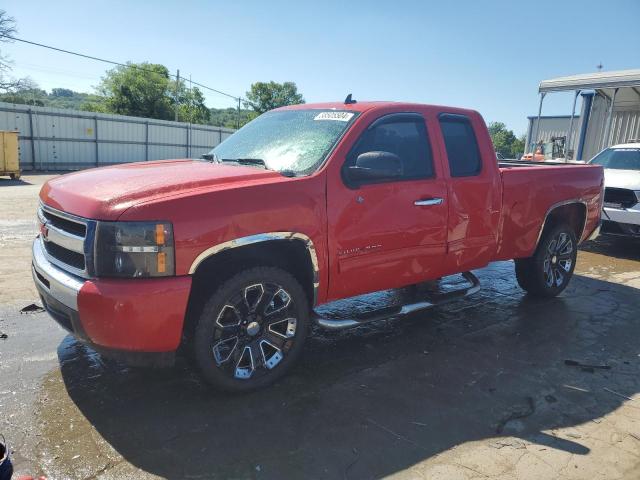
x: 9, y: 159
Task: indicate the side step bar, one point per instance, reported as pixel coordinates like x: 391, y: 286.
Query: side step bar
x: 401, y: 310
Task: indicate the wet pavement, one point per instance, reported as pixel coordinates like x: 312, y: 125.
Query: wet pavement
x: 475, y: 389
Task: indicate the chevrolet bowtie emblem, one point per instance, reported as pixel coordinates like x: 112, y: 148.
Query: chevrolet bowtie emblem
x: 44, y: 231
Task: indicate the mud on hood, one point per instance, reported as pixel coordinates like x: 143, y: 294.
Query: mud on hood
x: 105, y: 193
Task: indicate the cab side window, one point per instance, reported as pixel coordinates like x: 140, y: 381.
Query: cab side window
x: 461, y: 144
x: 404, y: 135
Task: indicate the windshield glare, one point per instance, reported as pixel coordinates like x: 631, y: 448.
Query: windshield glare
x: 619, y: 158
x: 296, y: 141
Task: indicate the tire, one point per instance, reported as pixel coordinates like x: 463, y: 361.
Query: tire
x: 548, y: 272
x: 252, y: 329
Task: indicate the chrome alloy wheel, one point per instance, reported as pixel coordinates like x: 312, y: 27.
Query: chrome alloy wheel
x: 558, y: 260
x: 254, y: 330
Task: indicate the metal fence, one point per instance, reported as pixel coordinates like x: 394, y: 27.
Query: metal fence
x: 59, y: 139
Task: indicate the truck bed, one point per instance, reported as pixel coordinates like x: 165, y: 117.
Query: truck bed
x: 531, y: 190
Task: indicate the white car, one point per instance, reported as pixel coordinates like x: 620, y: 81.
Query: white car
x: 621, y: 211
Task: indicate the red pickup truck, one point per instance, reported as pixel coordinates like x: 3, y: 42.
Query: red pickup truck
x: 227, y: 256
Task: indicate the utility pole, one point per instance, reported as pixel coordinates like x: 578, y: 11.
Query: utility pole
x: 238, y: 116
x: 190, y: 106
x: 177, y: 90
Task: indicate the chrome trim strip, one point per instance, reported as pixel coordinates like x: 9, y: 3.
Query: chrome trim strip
x: 596, y: 232
x: 65, y: 239
x: 65, y: 215
x: 265, y: 237
x: 62, y: 286
x: 562, y: 204
x: 40, y: 215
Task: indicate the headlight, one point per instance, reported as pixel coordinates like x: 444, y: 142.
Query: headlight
x: 134, y: 249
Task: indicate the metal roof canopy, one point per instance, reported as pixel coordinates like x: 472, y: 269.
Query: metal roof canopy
x: 592, y: 81
x: 621, y: 80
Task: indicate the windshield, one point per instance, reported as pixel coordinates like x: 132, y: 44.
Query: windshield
x: 619, y: 158
x: 292, y: 141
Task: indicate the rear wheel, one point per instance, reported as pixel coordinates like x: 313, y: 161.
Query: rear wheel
x: 548, y: 272
x: 252, y: 329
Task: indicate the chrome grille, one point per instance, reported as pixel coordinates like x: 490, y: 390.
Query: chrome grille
x: 65, y: 241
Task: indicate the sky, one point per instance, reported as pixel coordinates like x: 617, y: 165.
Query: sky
x: 485, y: 55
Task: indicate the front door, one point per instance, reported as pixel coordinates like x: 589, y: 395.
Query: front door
x: 386, y: 233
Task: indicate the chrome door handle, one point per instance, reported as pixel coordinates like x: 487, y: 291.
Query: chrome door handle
x: 429, y: 201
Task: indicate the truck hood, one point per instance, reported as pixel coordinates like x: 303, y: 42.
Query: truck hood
x: 105, y: 193
x: 622, y: 178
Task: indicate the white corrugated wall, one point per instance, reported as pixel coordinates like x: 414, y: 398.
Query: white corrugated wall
x: 553, y: 126
x: 71, y: 140
x: 625, y: 125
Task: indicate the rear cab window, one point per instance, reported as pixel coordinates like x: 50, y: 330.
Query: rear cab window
x: 461, y: 145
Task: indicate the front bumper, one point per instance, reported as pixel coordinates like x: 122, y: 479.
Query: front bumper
x: 139, y: 321
x: 621, y: 221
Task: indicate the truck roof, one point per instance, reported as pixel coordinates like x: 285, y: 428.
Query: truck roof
x: 362, y: 106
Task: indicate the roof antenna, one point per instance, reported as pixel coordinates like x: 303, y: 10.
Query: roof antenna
x: 349, y: 100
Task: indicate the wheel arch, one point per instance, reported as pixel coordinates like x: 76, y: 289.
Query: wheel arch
x: 291, y: 251
x: 573, y: 212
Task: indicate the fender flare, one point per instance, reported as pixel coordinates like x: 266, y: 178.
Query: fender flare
x: 576, y: 201
x: 265, y: 237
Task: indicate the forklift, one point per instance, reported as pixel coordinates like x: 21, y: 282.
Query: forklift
x: 553, y: 150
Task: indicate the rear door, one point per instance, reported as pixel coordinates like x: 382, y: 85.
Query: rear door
x: 474, y: 191
x: 385, y: 234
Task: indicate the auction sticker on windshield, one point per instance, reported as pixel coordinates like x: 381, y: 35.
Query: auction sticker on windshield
x: 338, y: 116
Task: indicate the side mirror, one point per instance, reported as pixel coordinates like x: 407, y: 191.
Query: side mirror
x: 376, y: 166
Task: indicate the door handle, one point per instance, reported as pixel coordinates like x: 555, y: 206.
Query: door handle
x: 428, y: 201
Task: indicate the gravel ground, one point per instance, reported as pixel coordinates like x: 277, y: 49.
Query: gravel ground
x: 475, y: 389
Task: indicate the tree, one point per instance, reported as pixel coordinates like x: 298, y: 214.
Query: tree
x: 191, y: 107
x: 61, y: 92
x: 7, y: 30
x: 519, y: 145
x: 505, y: 141
x: 27, y: 94
x: 140, y: 90
x: 145, y: 90
x: 264, y: 96
x: 228, y: 117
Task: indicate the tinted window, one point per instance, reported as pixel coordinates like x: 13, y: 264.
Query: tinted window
x: 619, y: 158
x: 461, y: 144
x: 408, y: 139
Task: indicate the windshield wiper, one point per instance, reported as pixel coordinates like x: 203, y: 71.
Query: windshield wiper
x: 257, y: 161
x: 212, y: 157
x: 246, y: 161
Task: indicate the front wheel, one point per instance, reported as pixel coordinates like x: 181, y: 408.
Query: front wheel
x: 252, y: 329
x: 548, y: 272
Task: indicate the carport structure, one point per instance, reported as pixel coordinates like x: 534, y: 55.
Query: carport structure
x: 610, y: 111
